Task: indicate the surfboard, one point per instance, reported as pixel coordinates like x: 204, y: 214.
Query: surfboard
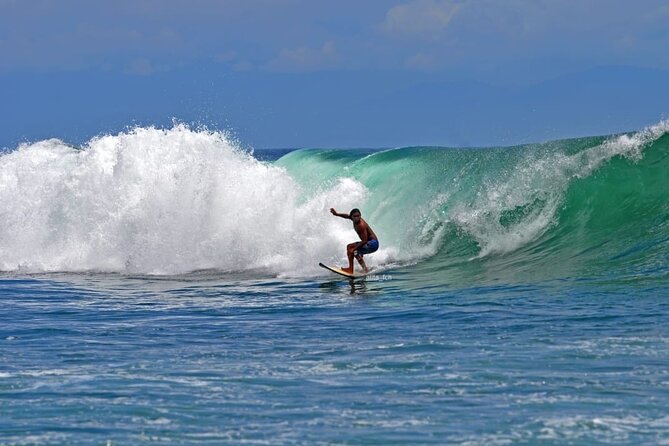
x: 341, y: 272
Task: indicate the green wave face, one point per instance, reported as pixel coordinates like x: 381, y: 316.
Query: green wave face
x: 571, y: 208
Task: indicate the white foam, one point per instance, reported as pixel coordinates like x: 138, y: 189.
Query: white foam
x: 539, y: 178
x: 163, y: 201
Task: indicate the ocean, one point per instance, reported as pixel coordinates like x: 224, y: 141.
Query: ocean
x: 161, y: 286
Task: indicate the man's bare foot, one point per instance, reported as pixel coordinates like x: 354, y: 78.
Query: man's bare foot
x: 347, y: 270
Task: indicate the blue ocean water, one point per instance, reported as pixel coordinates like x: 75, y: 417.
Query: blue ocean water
x: 161, y: 286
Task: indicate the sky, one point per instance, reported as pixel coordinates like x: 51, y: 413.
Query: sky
x: 311, y: 73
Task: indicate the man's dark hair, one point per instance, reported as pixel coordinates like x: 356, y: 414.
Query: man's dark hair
x: 353, y: 211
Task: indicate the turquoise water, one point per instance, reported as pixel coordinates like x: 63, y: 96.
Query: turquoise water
x: 161, y: 286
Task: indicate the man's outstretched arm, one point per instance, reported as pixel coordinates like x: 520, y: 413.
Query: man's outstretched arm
x: 337, y: 214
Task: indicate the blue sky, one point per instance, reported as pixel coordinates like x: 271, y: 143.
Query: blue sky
x: 299, y: 73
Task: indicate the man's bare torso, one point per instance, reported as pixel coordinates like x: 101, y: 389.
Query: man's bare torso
x: 363, y: 230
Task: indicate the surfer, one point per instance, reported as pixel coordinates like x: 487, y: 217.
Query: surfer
x: 368, y: 242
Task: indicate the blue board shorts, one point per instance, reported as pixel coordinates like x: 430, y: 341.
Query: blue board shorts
x: 367, y: 248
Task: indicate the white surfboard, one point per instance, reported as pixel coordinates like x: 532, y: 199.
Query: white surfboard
x: 341, y: 272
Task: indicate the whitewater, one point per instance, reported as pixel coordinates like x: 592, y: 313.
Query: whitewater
x: 161, y: 285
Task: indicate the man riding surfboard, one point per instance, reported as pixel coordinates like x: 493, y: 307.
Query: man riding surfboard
x: 368, y: 242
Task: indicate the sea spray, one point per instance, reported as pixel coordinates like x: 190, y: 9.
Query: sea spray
x: 160, y: 201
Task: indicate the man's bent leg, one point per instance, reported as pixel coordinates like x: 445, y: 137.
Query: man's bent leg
x: 349, y: 253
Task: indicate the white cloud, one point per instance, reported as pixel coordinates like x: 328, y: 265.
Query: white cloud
x: 225, y: 56
x: 305, y: 58
x: 244, y: 65
x: 421, y: 18
x: 141, y: 66
x: 422, y: 62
